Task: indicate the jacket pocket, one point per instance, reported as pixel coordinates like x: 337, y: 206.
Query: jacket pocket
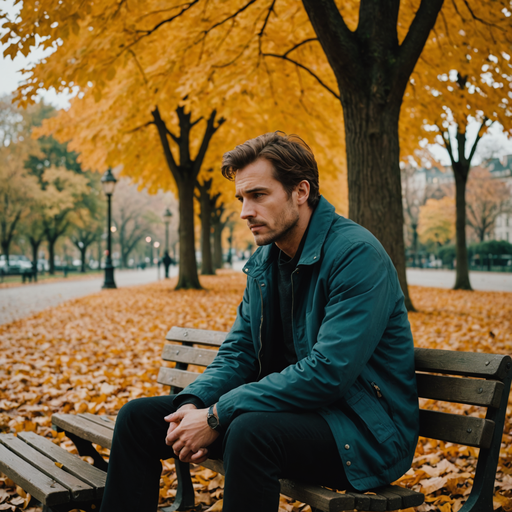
x: 369, y: 409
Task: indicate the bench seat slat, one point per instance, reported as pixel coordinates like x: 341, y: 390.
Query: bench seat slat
x: 176, y: 377
x: 80, y: 491
x: 198, y: 336
x: 468, y: 364
x: 409, y: 497
x: 190, y: 355
x: 31, y: 480
x: 465, y: 391
x: 455, y: 428
x: 89, y: 431
x: 72, y: 463
x: 99, y: 420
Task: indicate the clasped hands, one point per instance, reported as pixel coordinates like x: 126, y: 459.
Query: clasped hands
x: 189, y: 433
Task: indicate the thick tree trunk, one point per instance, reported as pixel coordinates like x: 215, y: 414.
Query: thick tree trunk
x: 374, y: 184
x: 462, y: 271
x: 372, y: 70
x: 187, y: 277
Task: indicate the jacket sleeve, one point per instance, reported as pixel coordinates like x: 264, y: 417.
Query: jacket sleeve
x: 235, y: 364
x: 361, y: 292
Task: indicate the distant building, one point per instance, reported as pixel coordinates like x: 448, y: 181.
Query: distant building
x: 501, y: 168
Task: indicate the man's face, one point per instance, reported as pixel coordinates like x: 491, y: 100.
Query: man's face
x: 270, y: 213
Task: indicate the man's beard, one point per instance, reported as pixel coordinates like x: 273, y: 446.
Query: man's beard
x: 281, y: 230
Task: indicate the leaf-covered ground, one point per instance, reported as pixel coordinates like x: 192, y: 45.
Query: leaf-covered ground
x: 95, y: 353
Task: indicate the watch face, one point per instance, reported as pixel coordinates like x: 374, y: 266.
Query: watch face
x: 213, y: 422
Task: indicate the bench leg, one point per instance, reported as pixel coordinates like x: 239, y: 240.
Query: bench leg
x: 86, y: 448
x: 185, y: 494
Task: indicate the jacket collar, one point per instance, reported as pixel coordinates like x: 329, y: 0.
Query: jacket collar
x: 319, y: 225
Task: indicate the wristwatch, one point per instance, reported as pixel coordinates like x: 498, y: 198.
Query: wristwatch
x: 212, y: 420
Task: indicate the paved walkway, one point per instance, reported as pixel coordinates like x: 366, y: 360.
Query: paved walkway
x: 22, y: 301
x: 485, y: 281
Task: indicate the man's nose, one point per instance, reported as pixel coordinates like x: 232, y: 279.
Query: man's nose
x: 247, y: 210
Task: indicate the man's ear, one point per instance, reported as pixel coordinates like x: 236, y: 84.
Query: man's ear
x: 302, y: 190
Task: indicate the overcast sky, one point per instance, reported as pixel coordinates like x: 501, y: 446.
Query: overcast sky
x: 494, y: 144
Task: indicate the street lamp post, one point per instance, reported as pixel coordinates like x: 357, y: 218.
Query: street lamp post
x: 167, y: 221
x: 108, y: 182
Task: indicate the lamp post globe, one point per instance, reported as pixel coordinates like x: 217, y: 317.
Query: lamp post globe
x: 108, y: 182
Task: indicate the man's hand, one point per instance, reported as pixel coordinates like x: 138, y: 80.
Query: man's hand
x: 189, y: 434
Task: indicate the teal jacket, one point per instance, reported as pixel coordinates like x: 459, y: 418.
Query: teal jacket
x: 353, y: 343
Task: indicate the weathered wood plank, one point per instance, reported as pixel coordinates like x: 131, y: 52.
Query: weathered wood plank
x: 465, y: 391
x: 80, y: 491
x: 468, y: 364
x: 175, y: 377
x: 33, y: 481
x: 198, y: 336
x: 455, y: 428
x: 103, y: 421
x: 189, y: 355
x: 378, y: 503
x: 393, y: 500
x: 84, y: 429
x: 71, y: 463
x: 409, y: 498
x: 316, y: 496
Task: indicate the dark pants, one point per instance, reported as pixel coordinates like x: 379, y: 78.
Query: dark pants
x: 257, y: 449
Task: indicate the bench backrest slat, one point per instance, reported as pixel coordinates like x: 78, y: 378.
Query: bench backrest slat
x: 486, y: 393
x: 189, y: 355
x: 198, y: 336
x: 455, y: 428
x: 175, y: 377
x: 468, y: 364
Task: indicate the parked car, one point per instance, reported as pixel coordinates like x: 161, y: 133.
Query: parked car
x: 18, y: 263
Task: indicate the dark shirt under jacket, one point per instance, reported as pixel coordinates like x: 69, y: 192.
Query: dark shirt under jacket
x: 284, y: 350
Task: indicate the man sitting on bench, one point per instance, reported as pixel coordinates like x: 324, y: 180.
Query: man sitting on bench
x: 315, y: 380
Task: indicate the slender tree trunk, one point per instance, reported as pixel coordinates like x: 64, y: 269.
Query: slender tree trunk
x: 83, y: 251
x: 51, y: 255
x: 187, y: 277
x: 205, y: 201
x: 462, y: 271
x: 34, y: 243
x: 414, y: 227
x: 218, y: 260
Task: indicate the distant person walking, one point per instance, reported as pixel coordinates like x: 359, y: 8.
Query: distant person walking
x: 167, y: 261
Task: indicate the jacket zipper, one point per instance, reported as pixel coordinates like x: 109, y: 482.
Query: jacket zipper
x: 261, y: 327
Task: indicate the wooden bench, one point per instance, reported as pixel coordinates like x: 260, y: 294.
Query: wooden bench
x: 460, y: 377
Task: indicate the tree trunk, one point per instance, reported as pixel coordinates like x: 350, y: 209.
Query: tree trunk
x: 206, y: 202
x: 51, y: 255
x: 187, y: 277
x: 374, y: 184
x: 218, y: 228
x: 372, y: 70
x: 461, y: 250
x: 34, y: 243
x: 83, y: 251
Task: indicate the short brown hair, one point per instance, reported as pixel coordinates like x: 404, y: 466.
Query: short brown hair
x: 291, y: 158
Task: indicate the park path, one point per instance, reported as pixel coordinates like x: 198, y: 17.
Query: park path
x: 483, y: 281
x: 16, y: 303
x: 21, y: 301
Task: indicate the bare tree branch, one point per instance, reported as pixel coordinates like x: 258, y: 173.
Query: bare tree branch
x: 298, y: 64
